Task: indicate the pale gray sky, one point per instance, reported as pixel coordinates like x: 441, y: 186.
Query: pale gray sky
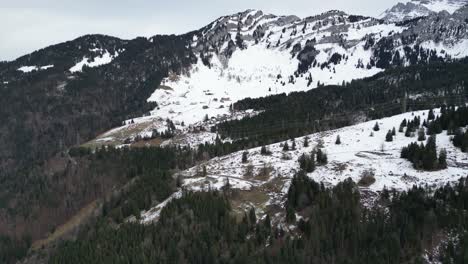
x: 28, y: 25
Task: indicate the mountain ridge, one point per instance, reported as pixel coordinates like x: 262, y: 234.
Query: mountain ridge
x: 420, y: 8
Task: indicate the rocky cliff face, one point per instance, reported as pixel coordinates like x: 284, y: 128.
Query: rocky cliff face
x: 420, y: 8
x: 437, y: 37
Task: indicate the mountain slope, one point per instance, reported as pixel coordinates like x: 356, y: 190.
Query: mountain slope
x: 48, y: 111
x: 252, y: 54
x: 362, y: 151
x: 420, y: 8
x: 69, y: 93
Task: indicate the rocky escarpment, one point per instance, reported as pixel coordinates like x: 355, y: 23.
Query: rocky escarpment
x: 420, y: 8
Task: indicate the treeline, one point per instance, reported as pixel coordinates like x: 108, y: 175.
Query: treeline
x: 452, y: 119
x: 335, y: 227
x: 326, y: 107
x: 132, y: 179
x: 340, y: 230
x: 424, y: 157
x: 46, y: 112
x: 460, y: 140
x: 197, y: 228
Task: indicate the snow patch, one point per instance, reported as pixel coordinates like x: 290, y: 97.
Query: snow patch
x: 28, y: 69
x: 455, y: 50
x: 104, y: 59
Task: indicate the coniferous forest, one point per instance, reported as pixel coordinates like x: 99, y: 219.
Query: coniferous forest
x: 58, y: 180
x: 257, y: 138
x: 334, y: 227
x: 328, y: 107
x: 150, y: 173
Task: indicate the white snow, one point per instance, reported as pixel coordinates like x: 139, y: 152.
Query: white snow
x: 104, y: 59
x: 153, y: 214
x: 421, y: 8
x: 359, y: 152
x: 28, y: 69
x: 252, y: 72
x: 455, y: 50
x: 442, y: 5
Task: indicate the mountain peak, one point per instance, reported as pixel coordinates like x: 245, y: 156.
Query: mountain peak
x: 420, y: 8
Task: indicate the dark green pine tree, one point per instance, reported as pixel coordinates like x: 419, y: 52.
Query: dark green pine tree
x: 431, y: 115
x: 389, y: 137
x: 252, y: 216
x: 338, y: 140
x: 421, y: 134
x: 245, y: 156
x: 442, y: 159
x: 376, y: 126
x: 286, y: 146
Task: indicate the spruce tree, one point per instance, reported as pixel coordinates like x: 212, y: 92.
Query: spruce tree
x: 389, y: 137
x: 401, y: 129
x: 404, y: 123
x: 376, y: 126
x: 264, y: 151
x: 421, y: 134
x: 338, y: 140
x: 443, y: 159
x: 431, y: 115
x: 286, y: 146
x: 252, y: 216
x: 245, y: 156
x: 322, y: 158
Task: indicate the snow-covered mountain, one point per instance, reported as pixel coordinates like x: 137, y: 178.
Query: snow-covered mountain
x: 253, y: 54
x: 420, y: 8
x: 247, y: 54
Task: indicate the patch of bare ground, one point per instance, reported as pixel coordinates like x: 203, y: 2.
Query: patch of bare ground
x: 69, y: 227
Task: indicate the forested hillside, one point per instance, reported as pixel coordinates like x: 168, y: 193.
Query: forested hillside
x: 391, y: 92
x: 46, y: 112
x: 198, y: 228
x: 204, y: 147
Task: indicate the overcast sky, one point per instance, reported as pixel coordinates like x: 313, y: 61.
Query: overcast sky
x: 28, y: 25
